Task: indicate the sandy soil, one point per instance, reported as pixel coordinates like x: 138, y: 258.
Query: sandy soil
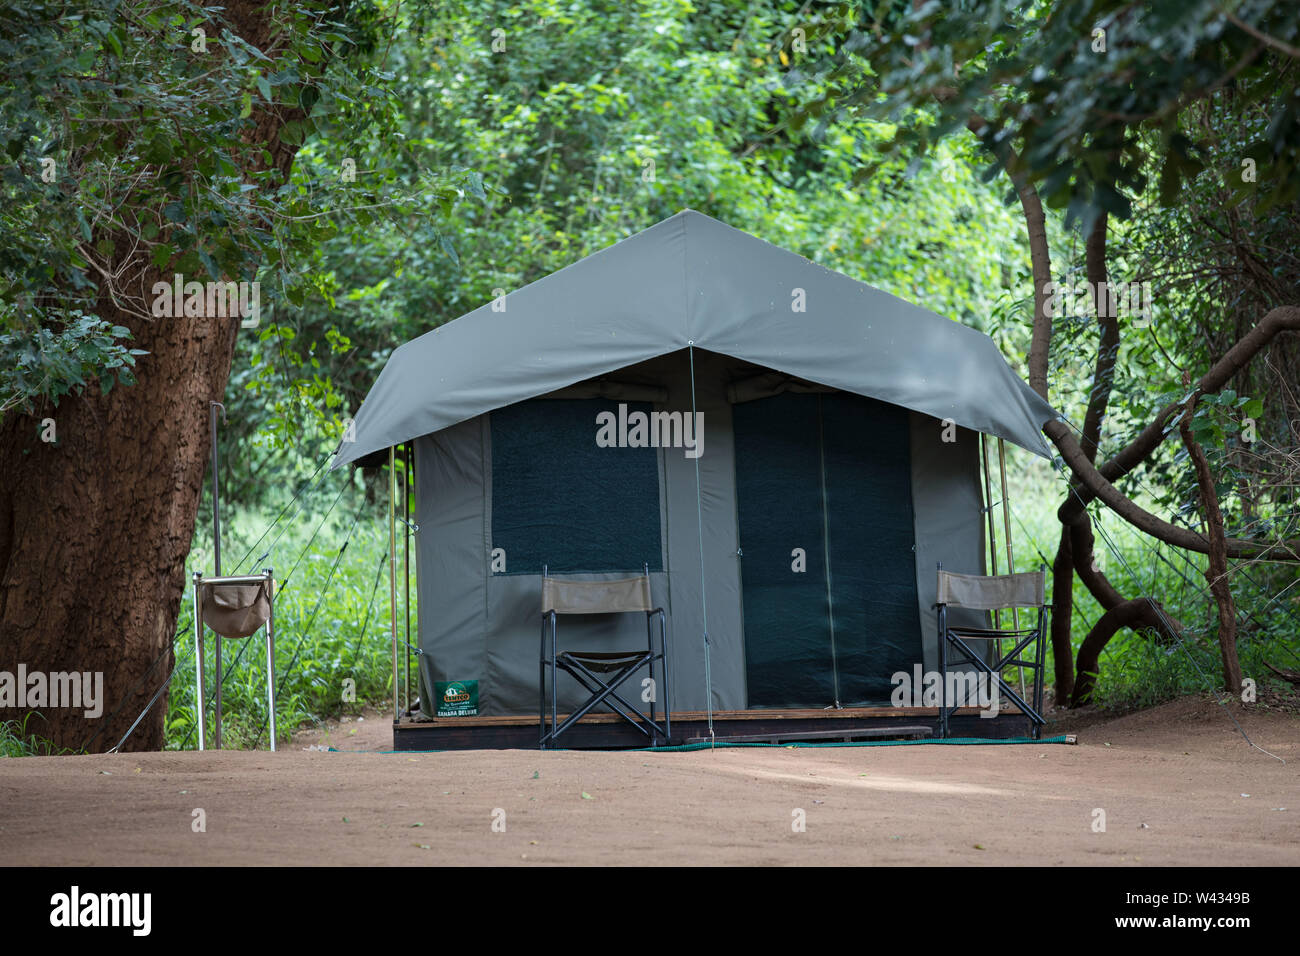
x: 1177, y: 783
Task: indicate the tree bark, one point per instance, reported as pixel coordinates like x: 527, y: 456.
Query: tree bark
x: 1103, y: 376
x: 93, y: 553
x: 95, y: 529
x: 1096, y: 481
x: 1217, y: 571
x: 1064, y: 566
x: 1031, y: 206
x: 1063, y: 618
x: 1139, y: 614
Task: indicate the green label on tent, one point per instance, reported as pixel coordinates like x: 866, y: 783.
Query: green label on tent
x: 456, y: 698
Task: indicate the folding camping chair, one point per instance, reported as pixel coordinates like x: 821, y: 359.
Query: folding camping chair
x: 623, y: 596
x: 234, y: 607
x: 990, y: 593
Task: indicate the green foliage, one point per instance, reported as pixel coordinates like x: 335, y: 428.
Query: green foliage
x: 51, y: 362
x: 1071, y: 86
x: 1136, y: 669
x: 594, y: 122
x: 127, y: 132
x: 544, y: 149
x: 331, y: 620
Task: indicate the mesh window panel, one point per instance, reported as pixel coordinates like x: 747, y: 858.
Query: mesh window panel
x: 559, y: 499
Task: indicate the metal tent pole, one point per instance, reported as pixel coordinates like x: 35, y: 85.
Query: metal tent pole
x: 992, y: 553
x: 392, y: 561
x: 270, y: 651
x: 200, y: 706
x: 704, y: 594
x: 1006, y: 534
x: 406, y: 569
x: 216, y: 541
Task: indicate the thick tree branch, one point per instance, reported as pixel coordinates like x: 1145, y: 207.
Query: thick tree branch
x: 1217, y: 571
x: 1103, y: 376
x: 1062, y: 618
x: 1040, y: 259
x: 1096, y: 482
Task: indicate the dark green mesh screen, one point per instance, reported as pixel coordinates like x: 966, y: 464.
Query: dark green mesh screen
x: 559, y: 499
x: 867, y: 449
x: 830, y: 474
x: 778, y: 496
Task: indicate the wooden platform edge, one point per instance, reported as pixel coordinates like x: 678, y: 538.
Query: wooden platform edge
x: 469, y: 733
x: 524, y: 720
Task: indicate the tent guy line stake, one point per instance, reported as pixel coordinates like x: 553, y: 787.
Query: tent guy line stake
x: 699, y: 523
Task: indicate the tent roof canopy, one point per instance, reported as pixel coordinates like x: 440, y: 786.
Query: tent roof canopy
x: 691, y: 281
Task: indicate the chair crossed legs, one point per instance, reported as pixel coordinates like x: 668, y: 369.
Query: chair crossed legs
x: 601, y: 673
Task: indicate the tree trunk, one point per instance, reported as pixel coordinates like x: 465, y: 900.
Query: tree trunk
x: 95, y: 529
x: 1072, y: 542
x: 1062, y: 618
x: 1217, y: 572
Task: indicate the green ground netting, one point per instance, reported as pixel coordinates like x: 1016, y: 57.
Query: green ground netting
x: 953, y: 741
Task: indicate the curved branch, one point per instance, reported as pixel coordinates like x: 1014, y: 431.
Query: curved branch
x: 1139, y: 614
x: 1095, y: 482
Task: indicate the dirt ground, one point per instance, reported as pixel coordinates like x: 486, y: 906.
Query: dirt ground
x: 1177, y: 784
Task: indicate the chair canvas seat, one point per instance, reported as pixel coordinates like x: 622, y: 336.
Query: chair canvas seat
x: 235, y: 608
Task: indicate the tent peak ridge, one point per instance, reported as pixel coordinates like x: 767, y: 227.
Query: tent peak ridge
x: 695, y: 281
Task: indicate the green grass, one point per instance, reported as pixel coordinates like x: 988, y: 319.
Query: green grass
x: 16, y: 741
x: 1137, y: 671
x: 320, y: 610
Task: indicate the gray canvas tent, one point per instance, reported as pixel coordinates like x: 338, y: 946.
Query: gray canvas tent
x: 838, y: 461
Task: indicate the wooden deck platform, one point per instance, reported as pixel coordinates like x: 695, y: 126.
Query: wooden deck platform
x: 607, y: 731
